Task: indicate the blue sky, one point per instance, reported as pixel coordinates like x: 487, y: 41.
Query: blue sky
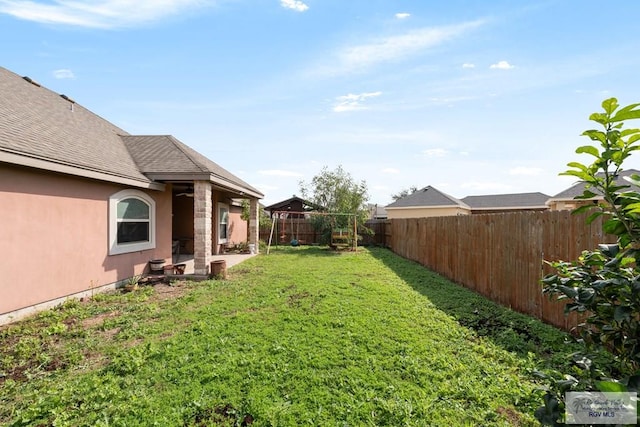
x: 471, y: 97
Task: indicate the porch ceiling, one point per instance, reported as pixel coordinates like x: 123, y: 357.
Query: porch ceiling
x: 187, y: 187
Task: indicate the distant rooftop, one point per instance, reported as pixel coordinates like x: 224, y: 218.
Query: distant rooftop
x: 506, y: 201
x: 427, y: 197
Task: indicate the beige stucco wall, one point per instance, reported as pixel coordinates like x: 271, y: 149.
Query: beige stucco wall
x: 425, y: 212
x: 565, y: 205
x: 237, y: 226
x: 54, y: 237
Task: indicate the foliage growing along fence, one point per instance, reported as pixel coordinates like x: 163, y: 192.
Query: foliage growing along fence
x: 288, y: 229
x: 500, y: 255
x: 301, y: 229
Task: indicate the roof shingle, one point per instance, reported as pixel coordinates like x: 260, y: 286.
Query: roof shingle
x: 578, y: 188
x: 39, y: 123
x: 427, y: 197
x: 503, y: 201
x: 160, y: 154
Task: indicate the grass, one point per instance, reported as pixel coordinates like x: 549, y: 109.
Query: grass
x: 303, y: 336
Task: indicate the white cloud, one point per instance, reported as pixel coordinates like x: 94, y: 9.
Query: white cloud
x: 98, y: 13
x: 377, y: 135
x: 352, y: 101
x: 394, y: 48
x: 435, y: 152
x: 63, y: 73
x: 521, y: 170
x: 296, y: 5
x: 402, y: 15
x: 390, y: 170
x: 468, y: 65
x: 278, y: 172
x: 502, y: 65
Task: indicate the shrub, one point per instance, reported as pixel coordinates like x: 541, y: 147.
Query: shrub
x: 603, y: 285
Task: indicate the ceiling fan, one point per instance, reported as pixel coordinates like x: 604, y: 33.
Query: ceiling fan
x: 188, y: 192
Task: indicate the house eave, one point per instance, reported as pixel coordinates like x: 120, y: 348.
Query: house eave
x: 20, y: 159
x: 510, y: 208
x: 572, y: 199
x: 205, y: 176
x: 427, y: 207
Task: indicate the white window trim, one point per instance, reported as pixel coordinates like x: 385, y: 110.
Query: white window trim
x: 114, y: 247
x: 221, y: 206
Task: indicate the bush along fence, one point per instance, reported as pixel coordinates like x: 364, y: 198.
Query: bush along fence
x: 500, y: 255
x: 301, y: 230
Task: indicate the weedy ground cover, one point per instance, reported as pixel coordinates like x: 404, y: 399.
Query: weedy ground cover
x: 302, y: 336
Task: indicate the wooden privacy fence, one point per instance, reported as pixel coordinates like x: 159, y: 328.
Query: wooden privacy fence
x: 379, y: 236
x: 500, y: 255
x: 302, y: 230
x: 288, y: 229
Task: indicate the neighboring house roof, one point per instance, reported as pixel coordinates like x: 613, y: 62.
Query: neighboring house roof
x: 427, y: 197
x: 42, y: 129
x: 507, y: 201
x: 306, y: 205
x: 163, y: 157
x: 379, y: 212
x: 579, y: 187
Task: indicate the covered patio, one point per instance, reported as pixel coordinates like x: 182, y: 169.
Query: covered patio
x: 207, y: 219
x: 230, y: 261
x: 207, y: 200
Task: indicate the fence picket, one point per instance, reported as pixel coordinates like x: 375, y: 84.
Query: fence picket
x: 500, y: 255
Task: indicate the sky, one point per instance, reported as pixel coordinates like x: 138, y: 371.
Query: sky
x: 470, y: 97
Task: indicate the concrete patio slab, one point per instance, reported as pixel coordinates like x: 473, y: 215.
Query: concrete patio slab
x: 231, y: 260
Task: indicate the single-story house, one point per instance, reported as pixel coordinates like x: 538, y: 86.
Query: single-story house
x: 500, y: 203
x: 430, y: 202
x: 84, y: 205
x: 565, y: 200
x: 377, y: 212
x: 427, y: 202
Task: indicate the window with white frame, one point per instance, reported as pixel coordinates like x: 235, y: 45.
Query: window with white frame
x: 131, y: 222
x: 223, y: 223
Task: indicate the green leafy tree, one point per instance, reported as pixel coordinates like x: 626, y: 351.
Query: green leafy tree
x: 603, y: 285
x: 263, y: 218
x: 337, y: 193
x: 404, y: 193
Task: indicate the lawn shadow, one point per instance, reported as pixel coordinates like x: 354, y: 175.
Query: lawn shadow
x: 515, y: 332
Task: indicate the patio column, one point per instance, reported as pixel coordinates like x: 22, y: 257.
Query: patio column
x: 202, y: 226
x: 254, y: 222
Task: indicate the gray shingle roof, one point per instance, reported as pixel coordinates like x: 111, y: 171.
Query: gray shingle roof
x: 578, y: 188
x: 427, y: 197
x: 164, y: 154
x: 287, y: 202
x: 38, y: 123
x: 503, y: 201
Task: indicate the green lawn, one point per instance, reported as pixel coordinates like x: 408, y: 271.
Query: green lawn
x: 302, y: 336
